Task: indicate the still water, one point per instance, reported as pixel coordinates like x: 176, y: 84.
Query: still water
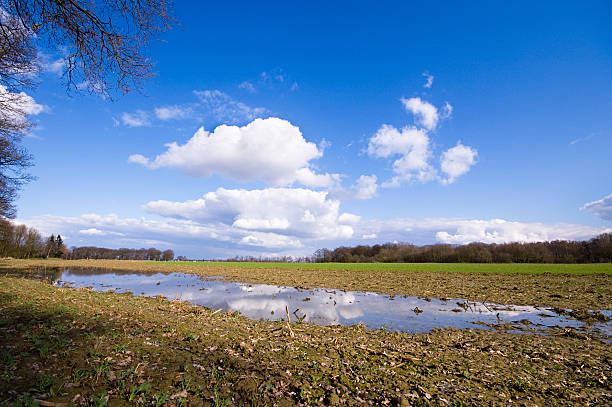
x: 320, y: 306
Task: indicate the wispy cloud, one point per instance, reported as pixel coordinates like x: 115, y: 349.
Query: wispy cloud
x: 601, y: 207
x: 428, y: 80
x: 248, y: 86
x: 139, y: 118
x: 581, y: 139
x: 173, y: 112
x: 226, y: 109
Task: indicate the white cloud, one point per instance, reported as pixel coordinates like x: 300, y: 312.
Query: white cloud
x: 248, y: 86
x: 92, y: 232
x: 425, y: 113
x: 172, y: 112
x: 366, y: 187
x: 295, y: 222
x: 139, y: 118
x: 18, y: 105
x: 271, y: 241
x: 414, y: 147
x: 98, y: 232
x: 349, y: 219
x: 462, y: 231
x: 227, y: 110
x: 293, y: 212
x: 429, y: 80
x: 113, y: 231
x: 272, y: 150
x: 601, y: 207
x: 457, y: 161
x: 306, y: 176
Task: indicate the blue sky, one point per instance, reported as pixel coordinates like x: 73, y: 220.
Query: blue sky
x: 354, y: 123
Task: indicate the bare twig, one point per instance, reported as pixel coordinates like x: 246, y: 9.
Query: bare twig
x: 289, y: 322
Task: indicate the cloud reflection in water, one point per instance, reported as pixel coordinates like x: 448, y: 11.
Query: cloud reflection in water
x: 320, y: 306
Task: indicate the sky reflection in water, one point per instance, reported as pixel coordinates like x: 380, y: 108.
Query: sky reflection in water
x: 319, y: 306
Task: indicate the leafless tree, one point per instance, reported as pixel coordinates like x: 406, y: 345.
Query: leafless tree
x: 102, y: 44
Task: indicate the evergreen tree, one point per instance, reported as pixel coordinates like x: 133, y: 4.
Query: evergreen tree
x: 60, y: 249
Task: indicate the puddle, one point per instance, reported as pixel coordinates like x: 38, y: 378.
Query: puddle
x: 324, y: 306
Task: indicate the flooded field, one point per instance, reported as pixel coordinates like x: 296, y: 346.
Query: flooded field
x: 92, y: 347
x: 325, y: 306
x: 548, y: 285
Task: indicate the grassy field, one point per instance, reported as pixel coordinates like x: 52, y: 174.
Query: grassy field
x: 61, y: 346
x: 582, y: 287
x: 452, y: 267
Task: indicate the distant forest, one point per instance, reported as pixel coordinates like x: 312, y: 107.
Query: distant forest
x: 596, y: 250
x: 22, y: 242
x: 90, y: 252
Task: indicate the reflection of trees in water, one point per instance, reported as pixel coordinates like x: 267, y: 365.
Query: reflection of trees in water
x: 100, y: 271
x: 47, y: 274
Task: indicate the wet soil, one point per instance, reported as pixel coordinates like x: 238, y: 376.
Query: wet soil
x: 62, y: 345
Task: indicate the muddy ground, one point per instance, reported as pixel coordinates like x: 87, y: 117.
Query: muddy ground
x: 61, y: 345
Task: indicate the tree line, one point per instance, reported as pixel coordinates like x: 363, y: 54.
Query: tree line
x: 596, y: 250
x: 22, y: 242
x: 101, y: 253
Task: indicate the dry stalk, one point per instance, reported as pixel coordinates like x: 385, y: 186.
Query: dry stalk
x: 289, y: 322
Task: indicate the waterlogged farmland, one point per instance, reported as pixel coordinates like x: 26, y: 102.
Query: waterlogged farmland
x: 575, y: 286
x: 324, y: 306
x: 67, y: 343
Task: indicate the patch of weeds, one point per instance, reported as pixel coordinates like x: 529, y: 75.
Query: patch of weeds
x: 215, y: 373
x: 185, y: 383
x: 100, y: 401
x: 45, y: 383
x: 102, y: 370
x: 220, y: 401
x: 136, y: 391
x: 159, y: 399
x: 520, y: 385
x: 190, y: 337
x: 78, y: 374
x: 8, y: 359
x: 27, y: 401
x: 41, y: 345
x: 120, y: 347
